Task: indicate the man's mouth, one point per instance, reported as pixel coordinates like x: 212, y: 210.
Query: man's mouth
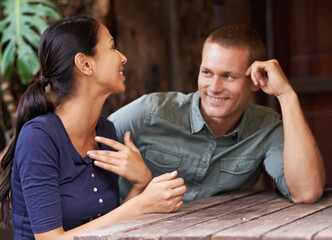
x: 218, y: 99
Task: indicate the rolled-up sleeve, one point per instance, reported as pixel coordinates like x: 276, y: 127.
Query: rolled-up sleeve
x: 273, y: 161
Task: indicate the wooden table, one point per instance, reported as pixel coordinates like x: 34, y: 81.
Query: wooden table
x: 238, y: 215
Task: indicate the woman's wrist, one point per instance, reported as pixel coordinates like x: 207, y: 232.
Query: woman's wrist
x: 141, y: 185
x: 140, y: 203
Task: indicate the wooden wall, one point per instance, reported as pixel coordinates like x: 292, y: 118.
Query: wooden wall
x: 303, y: 46
x: 162, y: 40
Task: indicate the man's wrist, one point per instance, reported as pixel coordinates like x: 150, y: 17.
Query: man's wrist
x: 288, y: 97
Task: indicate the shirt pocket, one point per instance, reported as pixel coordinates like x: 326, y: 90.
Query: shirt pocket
x: 237, y: 165
x: 158, y: 158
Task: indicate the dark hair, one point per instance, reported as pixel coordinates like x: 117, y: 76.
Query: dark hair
x: 59, y: 44
x: 239, y: 36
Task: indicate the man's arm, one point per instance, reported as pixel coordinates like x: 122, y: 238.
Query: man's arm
x: 303, y: 164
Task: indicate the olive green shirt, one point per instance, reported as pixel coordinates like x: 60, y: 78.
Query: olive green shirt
x: 171, y: 134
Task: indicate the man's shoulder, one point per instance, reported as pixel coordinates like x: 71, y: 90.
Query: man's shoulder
x: 173, y: 107
x: 170, y: 99
x: 262, y: 115
x: 259, y: 118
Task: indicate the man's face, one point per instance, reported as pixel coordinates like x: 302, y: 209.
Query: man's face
x: 222, y: 84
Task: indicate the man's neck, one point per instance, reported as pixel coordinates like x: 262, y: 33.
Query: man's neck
x: 221, y: 127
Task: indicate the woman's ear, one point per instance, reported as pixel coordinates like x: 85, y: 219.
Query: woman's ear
x: 83, y: 64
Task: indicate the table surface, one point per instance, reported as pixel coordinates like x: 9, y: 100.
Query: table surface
x: 237, y: 215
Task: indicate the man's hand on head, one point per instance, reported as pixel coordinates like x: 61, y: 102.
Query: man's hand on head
x: 270, y: 77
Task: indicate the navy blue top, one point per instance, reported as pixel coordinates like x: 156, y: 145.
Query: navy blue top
x: 52, y: 185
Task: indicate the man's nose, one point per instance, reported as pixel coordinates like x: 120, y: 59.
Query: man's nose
x: 216, y: 84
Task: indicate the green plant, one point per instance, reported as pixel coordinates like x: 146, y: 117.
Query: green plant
x: 24, y: 21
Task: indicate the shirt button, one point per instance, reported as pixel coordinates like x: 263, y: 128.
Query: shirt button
x: 101, y: 200
x: 99, y: 214
x: 196, y: 189
x: 91, y: 219
x: 204, y: 165
x: 92, y: 175
x: 95, y: 189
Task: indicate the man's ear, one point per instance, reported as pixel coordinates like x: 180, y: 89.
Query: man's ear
x: 253, y: 86
x: 83, y: 64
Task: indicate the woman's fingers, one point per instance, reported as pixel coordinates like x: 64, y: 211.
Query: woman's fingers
x: 104, y: 155
x: 179, y: 191
x: 165, y: 177
x: 129, y: 143
x: 109, y: 167
x: 110, y: 142
x: 177, y: 182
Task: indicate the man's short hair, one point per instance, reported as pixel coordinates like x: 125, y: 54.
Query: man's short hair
x: 239, y: 36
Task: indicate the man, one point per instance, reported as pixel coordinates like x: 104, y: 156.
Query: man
x: 214, y: 138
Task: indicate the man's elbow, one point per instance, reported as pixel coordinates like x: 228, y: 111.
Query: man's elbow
x: 309, y: 196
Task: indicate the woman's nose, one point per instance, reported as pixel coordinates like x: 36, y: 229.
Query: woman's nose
x: 123, y: 58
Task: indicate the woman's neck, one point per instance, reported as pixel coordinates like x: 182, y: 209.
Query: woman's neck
x: 80, y: 117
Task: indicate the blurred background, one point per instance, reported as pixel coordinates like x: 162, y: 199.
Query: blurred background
x: 162, y: 41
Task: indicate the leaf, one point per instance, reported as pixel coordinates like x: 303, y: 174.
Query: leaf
x: 8, y: 59
x: 27, y: 63
x: 24, y: 22
x: 31, y: 36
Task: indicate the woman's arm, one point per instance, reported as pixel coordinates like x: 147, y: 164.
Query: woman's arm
x: 163, y: 194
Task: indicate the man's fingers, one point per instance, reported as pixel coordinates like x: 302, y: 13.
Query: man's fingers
x: 110, y: 142
x: 251, y: 74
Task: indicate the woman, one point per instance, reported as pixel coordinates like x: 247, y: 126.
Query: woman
x: 56, y: 189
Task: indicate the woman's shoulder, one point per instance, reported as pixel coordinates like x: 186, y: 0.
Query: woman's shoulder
x: 48, y: 124
x: 105, y: 128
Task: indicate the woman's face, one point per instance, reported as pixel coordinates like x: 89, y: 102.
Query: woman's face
x: 108, y: 63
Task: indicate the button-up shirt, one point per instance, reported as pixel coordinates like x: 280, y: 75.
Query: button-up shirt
x: 52, y: 185
x: 169, y: 130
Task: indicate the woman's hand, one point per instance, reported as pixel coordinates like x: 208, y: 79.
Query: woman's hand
x: 163, y: 194
x: 127, y: 162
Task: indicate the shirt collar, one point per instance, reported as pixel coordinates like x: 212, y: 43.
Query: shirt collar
x: 197, y: 121
x: 241, y: 127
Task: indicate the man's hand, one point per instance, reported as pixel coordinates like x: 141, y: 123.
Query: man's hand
x: 127, y: 162
x: 270, y: 77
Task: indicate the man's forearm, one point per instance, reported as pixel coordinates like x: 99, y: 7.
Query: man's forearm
x: 303, y: 164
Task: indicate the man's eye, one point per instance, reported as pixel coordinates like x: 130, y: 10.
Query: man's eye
x: 228, y: 77
x: 206, y: 73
